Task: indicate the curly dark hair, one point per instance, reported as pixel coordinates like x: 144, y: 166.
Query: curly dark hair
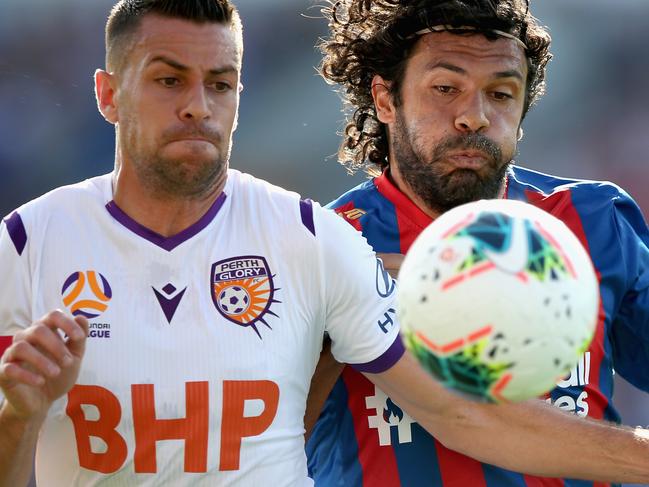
x: 370, y: 37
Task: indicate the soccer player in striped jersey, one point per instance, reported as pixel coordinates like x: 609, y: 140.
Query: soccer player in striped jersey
x: 438, y: 91
x: 200, y: 296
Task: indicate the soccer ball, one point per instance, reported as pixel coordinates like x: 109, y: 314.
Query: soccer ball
x: 498, y: 299
x: 234, y: 300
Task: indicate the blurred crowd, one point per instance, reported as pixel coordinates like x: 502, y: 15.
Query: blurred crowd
x: 593, y: 122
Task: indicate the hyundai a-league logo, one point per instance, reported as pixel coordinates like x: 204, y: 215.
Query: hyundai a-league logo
x: 243, y: 290
x: 86, y: 294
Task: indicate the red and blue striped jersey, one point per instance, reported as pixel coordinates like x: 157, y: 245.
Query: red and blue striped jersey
x: 363, y: 439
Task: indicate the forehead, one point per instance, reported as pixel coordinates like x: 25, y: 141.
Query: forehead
x: 206, y: 45
x: 470, y: 52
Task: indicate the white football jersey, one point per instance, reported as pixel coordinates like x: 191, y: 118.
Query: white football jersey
x: 202, y: 345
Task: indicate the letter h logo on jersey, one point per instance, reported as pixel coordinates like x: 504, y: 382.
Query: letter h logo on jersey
x: 386, y: 416
x: 243, y: 290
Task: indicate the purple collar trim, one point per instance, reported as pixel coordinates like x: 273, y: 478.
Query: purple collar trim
x: 166, y: 243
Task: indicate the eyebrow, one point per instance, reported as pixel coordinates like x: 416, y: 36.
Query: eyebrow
x: 182, y: 68
x: 510, y: 73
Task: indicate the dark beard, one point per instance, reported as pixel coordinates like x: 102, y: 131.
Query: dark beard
x: 442, y: 192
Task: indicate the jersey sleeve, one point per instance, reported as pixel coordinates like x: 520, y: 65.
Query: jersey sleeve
x: 630, y: 327
x: 15, y: 303
x: 360, y: 315
x: 14, y: 299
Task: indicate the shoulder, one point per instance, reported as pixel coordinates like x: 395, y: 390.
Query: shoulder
x: 273, y: 206
x: 63, y: 204
x: 249, y: 190
x: 361, y: 194
x: 538, y: 187
x: 70, y: 198
x: 605, y: 218
x: 363, y: 204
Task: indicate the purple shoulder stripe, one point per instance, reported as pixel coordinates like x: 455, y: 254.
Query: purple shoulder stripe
x: 306, y: 212
x: 390, y: 357
x: 16, y: 231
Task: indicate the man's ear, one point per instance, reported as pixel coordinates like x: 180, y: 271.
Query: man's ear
x: 236, y: 115
x: 383, y: 100
x: 105, y: 89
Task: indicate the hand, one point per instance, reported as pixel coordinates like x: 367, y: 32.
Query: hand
x: 40, y: 366
x: 391, y: 263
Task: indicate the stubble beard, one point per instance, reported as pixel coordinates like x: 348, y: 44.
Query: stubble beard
x: 176, y: 178
x: 166, y: 177
x: 440, y: 189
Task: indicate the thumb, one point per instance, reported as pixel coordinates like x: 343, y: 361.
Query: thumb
x: 77, y: 343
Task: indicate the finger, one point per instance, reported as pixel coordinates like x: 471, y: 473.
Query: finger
x: 77, y: 346
x: 48, y: 342
x: 57, y: 319
x: 12, y: 373
x: 27, y: 357
x: 82, y: 321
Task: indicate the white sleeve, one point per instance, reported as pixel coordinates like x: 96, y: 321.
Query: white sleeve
x: 15, y: 302
x: 359, y: 297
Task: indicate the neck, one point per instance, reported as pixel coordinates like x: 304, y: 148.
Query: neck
x: 399, y: 182
x: 167, y: 215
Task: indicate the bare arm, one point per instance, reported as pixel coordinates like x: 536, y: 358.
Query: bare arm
x: 17, y: 443
x: 391, y: 263
x: 531, y: 437
x: 326, y: 373
x: 38, y: 368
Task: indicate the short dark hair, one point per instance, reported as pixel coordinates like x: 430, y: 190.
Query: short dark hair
x: 375, y: 37
x: 126, y: 15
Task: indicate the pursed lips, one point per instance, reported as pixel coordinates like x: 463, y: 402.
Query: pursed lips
x: 192, y: 139
x: 468, y: 159
x: 202, y: 139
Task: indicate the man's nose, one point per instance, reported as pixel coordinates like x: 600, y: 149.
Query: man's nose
x: 196, y: 105
x: 472, y: 116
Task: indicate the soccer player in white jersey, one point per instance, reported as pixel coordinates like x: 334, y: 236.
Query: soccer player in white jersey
x: 193, y: 300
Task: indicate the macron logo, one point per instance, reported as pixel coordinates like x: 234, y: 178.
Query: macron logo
x: 169, y: 299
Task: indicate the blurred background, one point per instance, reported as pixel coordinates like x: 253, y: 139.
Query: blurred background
x: 591, y: 124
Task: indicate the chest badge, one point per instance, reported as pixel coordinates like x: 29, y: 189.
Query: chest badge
x: 243, y: 290
x: 86, y: 294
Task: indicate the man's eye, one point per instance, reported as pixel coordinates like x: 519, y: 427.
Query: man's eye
x: 169, y: 82
x: 221, y: 86
x: 445, y: 89
x: 501, y: 95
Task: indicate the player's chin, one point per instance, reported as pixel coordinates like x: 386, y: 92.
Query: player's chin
x: 463, y: 177
x: 484, y: 175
